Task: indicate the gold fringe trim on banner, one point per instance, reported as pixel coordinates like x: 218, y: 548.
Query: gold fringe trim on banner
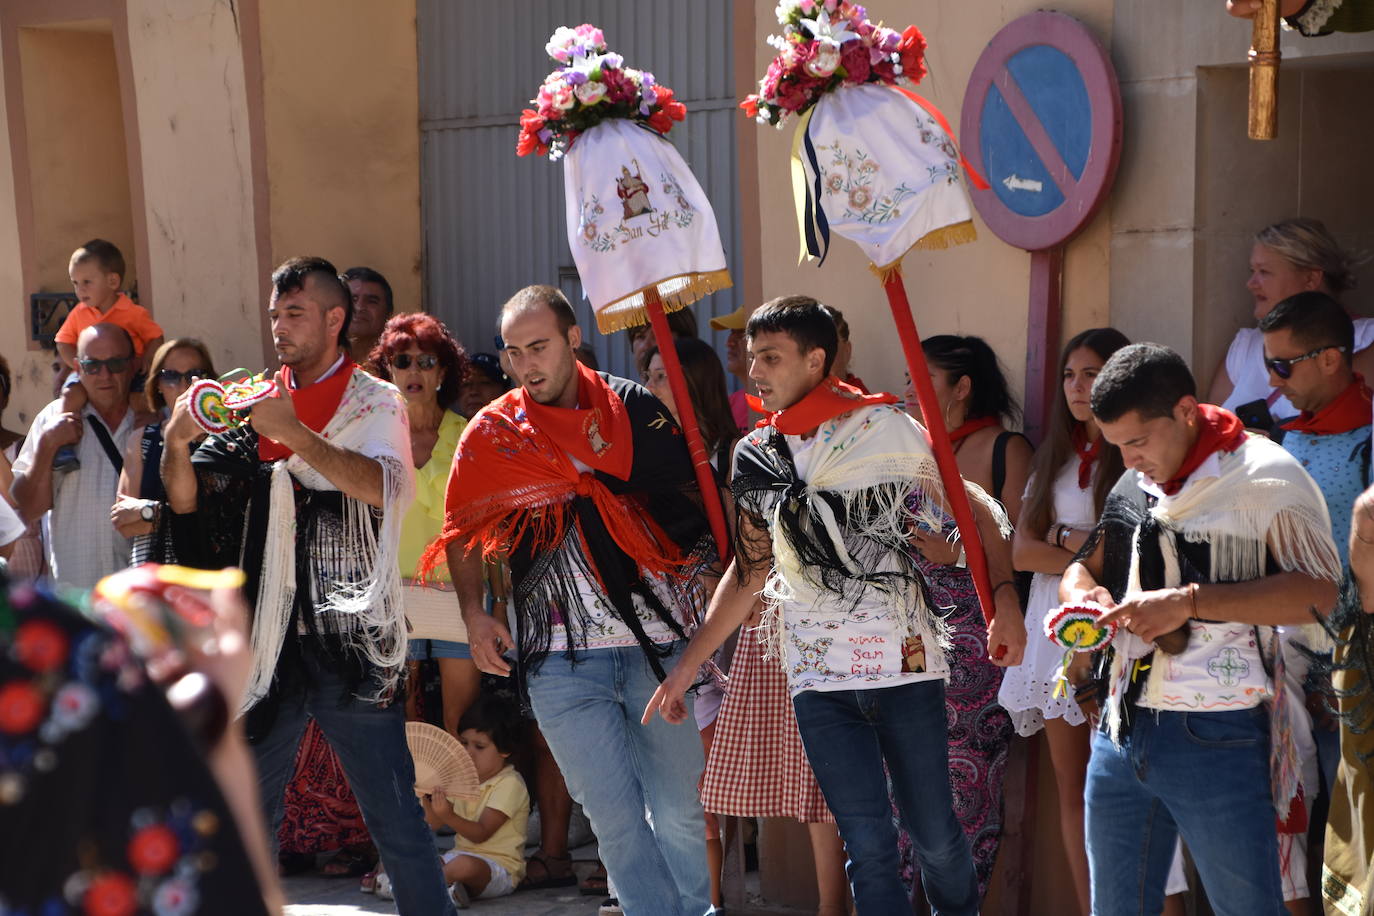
x: 944, y: 237
x: 674, y: 292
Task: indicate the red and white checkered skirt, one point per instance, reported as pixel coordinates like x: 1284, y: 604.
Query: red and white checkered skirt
x: 757, y: 766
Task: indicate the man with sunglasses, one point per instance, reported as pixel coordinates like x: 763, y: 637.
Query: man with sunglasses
x: 82, y: 546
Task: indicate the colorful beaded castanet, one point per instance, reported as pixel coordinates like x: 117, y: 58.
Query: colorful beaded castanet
x: 1076, y: 628
x: 218, y: 406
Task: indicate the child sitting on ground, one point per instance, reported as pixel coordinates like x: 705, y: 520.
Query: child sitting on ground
x: 487, y: 859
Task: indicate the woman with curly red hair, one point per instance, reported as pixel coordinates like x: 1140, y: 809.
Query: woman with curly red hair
x: 417, y: 353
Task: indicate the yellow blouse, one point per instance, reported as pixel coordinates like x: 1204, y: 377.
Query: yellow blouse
x: 425, y: 518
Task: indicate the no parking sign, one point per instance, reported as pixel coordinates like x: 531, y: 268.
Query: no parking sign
x: 1042, y: 121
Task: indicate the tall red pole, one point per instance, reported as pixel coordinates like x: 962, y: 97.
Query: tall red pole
x: 706, y: 478
x: 939, y: 442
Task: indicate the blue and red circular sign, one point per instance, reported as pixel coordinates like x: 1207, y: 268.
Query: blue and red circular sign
x: 1042, y: 122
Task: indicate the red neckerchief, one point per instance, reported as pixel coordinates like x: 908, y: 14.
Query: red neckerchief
x: 513, y: 479
x: 826, y: 401
x: 1218, y: 430
x: 1350, y: 410
x: 968, y: 427
x: 855, y: 382
x: 315, y: 405
x: 1087, y: 454
x: 598, y: 434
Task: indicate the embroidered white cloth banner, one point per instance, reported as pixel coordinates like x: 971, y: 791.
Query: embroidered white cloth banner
x: 888, y: 173
x: 637, y: 221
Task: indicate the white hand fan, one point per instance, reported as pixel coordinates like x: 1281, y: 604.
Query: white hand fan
x: 440, y: 760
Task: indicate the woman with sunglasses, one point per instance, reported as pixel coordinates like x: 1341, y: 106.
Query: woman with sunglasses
x: 137, y: 512
x: 1288, y: 257
x: 419, y: 355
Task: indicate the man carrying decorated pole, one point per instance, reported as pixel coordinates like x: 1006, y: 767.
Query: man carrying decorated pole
x: 875, y: 163
x: 584, y: 480
x: 827, y: 496
x: 642, y: 232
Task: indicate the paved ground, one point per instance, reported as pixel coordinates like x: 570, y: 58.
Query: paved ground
x: 313, y: 895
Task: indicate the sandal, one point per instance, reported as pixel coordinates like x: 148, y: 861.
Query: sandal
x: 595, y: 884
x: 548, y: 874
x: 347, y: 864
x: 368, y: 885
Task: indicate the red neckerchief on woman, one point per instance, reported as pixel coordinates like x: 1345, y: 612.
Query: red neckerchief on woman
x: 826, y: 401
x: 1350, y: 410
x: 1087, y: 454
x: 513, y: 477
x: 969, y: 427
x: 315, y: 405
x: 1219, y: 430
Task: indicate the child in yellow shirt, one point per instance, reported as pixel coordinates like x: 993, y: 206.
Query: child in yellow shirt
x: 488, y: 858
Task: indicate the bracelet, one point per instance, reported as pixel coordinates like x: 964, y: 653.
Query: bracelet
x: 1052, y: 534
x: 1192, y: 596
x: 1063, y: 535
x: 1001, y: 585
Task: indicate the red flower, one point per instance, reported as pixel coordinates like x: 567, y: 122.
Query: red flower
x: 854, y: 59
x: 750, y: 106
x: 111, y: 894
x: 154, y: 850
x: 21, y: 708
x: 531, y: 121
x: 661, y: 121
x: 40, y: 645
x: 912, y: 48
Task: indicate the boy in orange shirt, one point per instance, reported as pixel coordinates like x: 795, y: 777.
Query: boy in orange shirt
x: 97, y: 272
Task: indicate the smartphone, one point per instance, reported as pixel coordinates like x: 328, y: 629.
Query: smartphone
x: 1255, y: 415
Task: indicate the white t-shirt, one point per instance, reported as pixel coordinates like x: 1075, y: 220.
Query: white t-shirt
x: 83, y: 546
x: 1221, y: 668
x: 605, y: 630
x: 863, y: 649
x: 1245, y: 368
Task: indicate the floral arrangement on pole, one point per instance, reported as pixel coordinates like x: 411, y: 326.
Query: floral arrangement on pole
x: 591, y: 85
x: 826, y: 44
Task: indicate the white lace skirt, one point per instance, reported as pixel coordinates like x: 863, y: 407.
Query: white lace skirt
x: 1028, y: 689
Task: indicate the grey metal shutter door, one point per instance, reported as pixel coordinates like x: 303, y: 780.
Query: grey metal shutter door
x: 494, y: 222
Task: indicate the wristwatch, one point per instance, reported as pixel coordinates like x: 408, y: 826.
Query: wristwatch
x: 148, y: 511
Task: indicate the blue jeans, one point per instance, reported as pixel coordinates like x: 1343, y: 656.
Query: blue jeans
x: 371, y: 744
x: 848, y: 736
x: 616, y: 768
x: 1204, y: 775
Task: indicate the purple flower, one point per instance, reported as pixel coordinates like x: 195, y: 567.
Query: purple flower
x: 574, y: 77
x: 647, y: 79
x: 545, y: 135
x: 650, y: 95
x: 612, y: 60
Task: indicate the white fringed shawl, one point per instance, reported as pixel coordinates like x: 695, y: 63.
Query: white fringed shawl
x: 873, y: 459
x: 360, y: 603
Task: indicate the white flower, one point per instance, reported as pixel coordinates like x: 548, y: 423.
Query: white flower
x: 828, y: 33
x: 824, y: 61
x: 590, y: 92
x: 785, y: 9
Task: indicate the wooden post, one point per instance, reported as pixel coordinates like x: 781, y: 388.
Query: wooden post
x: 1264, y: 72
x: 1042, y: 339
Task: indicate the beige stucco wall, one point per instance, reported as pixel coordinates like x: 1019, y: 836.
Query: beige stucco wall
x: 197, y: 179
x: 341, y: 110
x: 28, y: 368
x: 980, y: 288
x: 1193, y: 188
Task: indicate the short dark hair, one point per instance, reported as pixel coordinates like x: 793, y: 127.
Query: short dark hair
x: 368, y: 275
x: 550, y: 297
x: 497, y: 717
x: 105, y: 254
x: 1314, y: 319
x: 291, y: 277
x: 989, y: 393
x: 837, y: 316
x: 801, y: 318
x: 1146, y: 377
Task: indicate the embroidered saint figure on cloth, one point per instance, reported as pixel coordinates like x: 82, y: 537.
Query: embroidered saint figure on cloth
x: 913, y: 655
x: 633, y: 192
x: 1228, y: 667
